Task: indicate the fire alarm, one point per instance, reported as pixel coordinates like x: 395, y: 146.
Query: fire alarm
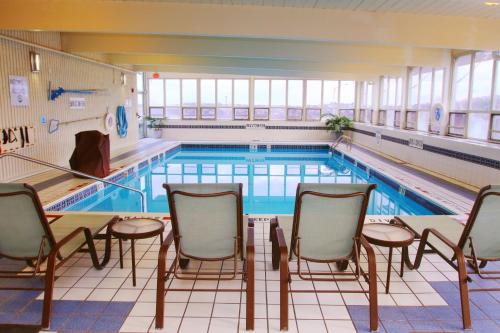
x: 156, y: 76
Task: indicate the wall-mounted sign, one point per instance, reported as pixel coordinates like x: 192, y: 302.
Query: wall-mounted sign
x: 19, y: 91
x: 13, y: 138
x: 255, y: 126
x: 77, y: 103
x: 416, y: 143
x: 43, y: 119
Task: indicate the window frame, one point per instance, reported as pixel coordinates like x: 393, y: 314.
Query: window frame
x: 492, y: 131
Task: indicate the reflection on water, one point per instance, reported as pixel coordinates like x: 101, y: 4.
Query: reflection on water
x: 269, y: 181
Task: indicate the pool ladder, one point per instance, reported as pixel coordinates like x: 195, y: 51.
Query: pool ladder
x: 81, y: 174
x: 342, y: 139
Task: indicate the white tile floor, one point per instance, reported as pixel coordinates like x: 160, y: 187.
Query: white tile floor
x: 225, y: 311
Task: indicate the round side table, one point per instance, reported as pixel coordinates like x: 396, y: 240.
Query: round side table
x: 391, y: 236
x: 133, y: 229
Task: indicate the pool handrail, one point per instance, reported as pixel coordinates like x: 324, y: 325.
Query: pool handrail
x: 82, y: 174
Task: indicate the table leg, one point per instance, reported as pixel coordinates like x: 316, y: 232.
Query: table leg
x: 132, y: 248
x: 120, y: 246
x: 402, y: 261
x: 389, y: 266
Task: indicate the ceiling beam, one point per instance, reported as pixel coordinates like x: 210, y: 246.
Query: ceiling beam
x: 132, y: 17
x: 254, y: 48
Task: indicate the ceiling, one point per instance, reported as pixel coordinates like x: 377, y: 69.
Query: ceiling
x: 464, y: 8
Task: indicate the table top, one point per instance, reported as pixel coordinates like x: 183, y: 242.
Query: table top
x: 137, y: 228
x: 384, y: 234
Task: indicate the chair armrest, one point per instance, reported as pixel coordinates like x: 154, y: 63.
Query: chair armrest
x: 165, y: 245
x: 441, y: 237
x: 67, y: 238
x: 280, y: 237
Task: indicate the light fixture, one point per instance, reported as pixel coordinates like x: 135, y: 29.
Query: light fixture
x: 34, y: 62
x: 123, y: 79
x: 492, y: 3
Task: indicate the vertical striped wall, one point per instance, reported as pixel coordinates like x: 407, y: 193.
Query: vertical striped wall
x: 69, y: 73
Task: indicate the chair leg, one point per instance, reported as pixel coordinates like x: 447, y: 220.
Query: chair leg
x: 464, y: 292
x: 274, y: 246
x: 49, y: 288
x: 284, y: 280
x: 250, y: 298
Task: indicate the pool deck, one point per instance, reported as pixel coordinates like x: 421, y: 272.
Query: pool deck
x: 87, y: 300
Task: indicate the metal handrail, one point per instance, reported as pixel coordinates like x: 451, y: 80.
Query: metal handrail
x: 343, y: 138
x: 54, y: 166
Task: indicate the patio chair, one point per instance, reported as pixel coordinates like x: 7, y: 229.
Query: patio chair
x: 26, y: 235
x: 476, y: 241
x: 207, y: 225
x: 325, y: 228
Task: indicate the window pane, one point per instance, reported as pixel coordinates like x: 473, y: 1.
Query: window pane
x: 369, y: 95
x: 261, y: 92
x: 413, y: 88
x: 482, y: 81
x: 156, y: 92
x: 140, y: 82
x: 313, y: 93
x: 295, y: 93
x: 349, y: 113
x: 389, y: 121
x: 438, y: 86
x: 397, y: 119
x: 347, y: 94
x: 278, y: 93
x: 173, y: 112
x: 207, y: 92
x: 362, y: 116
x: 423, y: 121
x: 461, y: 74
x: 224, y: 92
x: 330, y: 96
x: 384, y: 92
x: 188, y: 113
x: 495, y: 127
x: 457, y: 124
x: 313, y: 114
x: 241, y: 114
x: 381, y: 117
x: 411, y: 119
x: 478, y: 125
x: 399, y: 92
x: 294, y: 114
x: 208, y: 113
x: 156, y: 112
x: 496, y: 101
x: 189, y: 92
x: 173, y: 92
x: 241, y: 92
x: 425, y: 89
x: 392, y: 92
x: 261, y: 114
x: 225, y: 113
x: 278, y: 114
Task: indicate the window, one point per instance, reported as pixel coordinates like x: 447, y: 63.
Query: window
x: 366, y: 102
x: 140, y: 100
x: 437, y: 94
x: 295, y: 93
x: 423, y: 121
x: 397, y: 119
x: 330, y: 96
x: 461, y: 73
x: 495, y: 127
x: 411, y: 120
x: 362, y: 116
x: 477, y: 125
x: 241, y: 93
x: 457, y: 124
x: 313, y: 91
x: 313, y: 114
x: 189, y: 93
x: 349, y: 113
x: 241, y: 113
x: 173, y: 98
x: 188, y: 113
x: 207, y: 93
x: 261, y: 114
x: 278, y: 100
x: 381, y: 117
x: 424, y: 101
x: 413, y: 88
x: 496, y: 100
x: 224, y: 99
x: 261, y: 92
x: 207, y: 113
x: 294, y: 114
x: 347, y: 94
x: 156, y: 112
x: 482, y: 81
x: 156, y: 92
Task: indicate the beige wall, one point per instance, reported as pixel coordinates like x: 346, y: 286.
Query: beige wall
x: 67, y: 72
x: 470, y: 173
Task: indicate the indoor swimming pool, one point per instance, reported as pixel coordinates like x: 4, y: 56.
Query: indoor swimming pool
x: 269, y: 175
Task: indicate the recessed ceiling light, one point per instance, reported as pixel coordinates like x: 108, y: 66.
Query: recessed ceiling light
x: 491, y: 3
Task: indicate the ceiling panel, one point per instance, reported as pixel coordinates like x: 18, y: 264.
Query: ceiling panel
x: 467, y: 8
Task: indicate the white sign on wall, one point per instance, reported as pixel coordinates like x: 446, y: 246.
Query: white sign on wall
x: 19, y: 91
x: 77, y: 103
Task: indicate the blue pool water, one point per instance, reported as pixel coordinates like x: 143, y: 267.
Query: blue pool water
x: 269, y: 180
